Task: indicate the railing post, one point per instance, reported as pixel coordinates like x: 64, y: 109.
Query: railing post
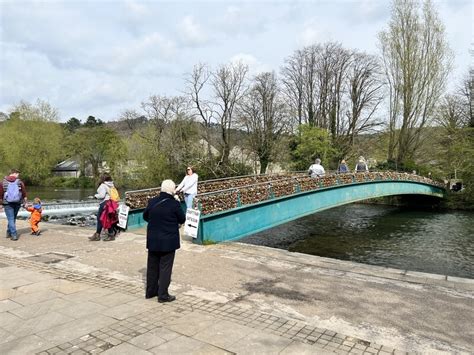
x: 271, y: 195
x: 239, y: 202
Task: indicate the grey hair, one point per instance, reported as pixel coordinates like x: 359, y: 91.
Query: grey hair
x: 317, y: 161
x: 168, y: 186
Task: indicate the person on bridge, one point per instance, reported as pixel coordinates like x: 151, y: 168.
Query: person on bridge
x: 12, y: 197
x: 164, y: 216
x: 36, y: 210
x: 361, y: 166
x: 316, y: 169
x: 189, y: 186
x: 343, y: 168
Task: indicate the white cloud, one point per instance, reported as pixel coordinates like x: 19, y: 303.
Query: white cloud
x: 255, y: 66
x: 191, y: 32
x: 313, y: 33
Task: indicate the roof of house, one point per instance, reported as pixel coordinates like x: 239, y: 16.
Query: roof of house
x: 67, y: 165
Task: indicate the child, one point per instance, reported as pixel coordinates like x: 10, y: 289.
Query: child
x: 35, y: 216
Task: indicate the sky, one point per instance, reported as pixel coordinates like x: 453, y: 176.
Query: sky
x: 103, y: 57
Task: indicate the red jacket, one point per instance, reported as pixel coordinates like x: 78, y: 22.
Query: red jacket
x: 4, y: 185
x: 109, y: 214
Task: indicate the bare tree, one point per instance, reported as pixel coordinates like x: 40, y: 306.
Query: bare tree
x: 229, y: 85
x: 417, y: 61
x: 467, y: 92
x: 265, y: 117
x: 202, y: 108
x: 131, y: 118
x: 293, y: 83
x: 364, y: 87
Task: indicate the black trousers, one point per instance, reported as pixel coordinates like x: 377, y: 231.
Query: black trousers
x: 158, y: 273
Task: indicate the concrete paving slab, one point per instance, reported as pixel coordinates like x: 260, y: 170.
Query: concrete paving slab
x: 298, y: 348
x: 9, y: 293
x: 126, y: 348
x: 35, y: 297
x: 124, y: 311
x: 82, y: 309
x: 38, y: 324
x: 180, y: 345
x: 113, y: 299
x: 259, y: 342
x: 30, y: 344
x: 223, y: 333
x: 76, y: 328
x: 210, y: 350
x: 15, y: 283
x: 191, y: 324
x: 37, y: 309
x: 88, y: 294
x: 151, y: 339
x: 8, y: 305
x: 7, y: 319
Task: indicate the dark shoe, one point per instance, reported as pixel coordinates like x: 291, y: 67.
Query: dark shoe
x: 167, y: 299
x: 38, y: 233
x: 15, y: 238
x: 95, y: 237
x: 150, y: 296
x: 109, y: 238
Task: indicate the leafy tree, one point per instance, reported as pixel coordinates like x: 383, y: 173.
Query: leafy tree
x: 97, y: 146
x: 31, y: 140
x: 93, y: 122
x: 417, y: 61
x: 73, y: 124
x: 312, y: 143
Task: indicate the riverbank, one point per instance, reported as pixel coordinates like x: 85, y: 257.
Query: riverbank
x: 398, y: 309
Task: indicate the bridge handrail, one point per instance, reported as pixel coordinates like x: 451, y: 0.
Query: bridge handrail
x: 328, y: 180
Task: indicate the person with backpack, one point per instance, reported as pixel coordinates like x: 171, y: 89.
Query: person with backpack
x: 12, y: 197
x: 361, y: 166
x: 107, y: 192
x: 316, y: 169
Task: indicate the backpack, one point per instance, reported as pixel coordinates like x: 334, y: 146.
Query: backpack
x: 114, y: 194
x: 13, y: 193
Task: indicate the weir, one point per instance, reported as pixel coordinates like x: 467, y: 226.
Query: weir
x: 64, y: 208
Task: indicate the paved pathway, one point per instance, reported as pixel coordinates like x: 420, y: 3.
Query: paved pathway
x: 48, y: 310
x: 52, y: 304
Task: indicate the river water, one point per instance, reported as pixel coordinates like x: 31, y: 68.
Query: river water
x: 426, y: 241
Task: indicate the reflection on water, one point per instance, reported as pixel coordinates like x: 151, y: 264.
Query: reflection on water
x: 58, y: 194
x: 434, y: 242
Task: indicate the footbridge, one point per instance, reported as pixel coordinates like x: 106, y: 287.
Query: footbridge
x: 236, y: 207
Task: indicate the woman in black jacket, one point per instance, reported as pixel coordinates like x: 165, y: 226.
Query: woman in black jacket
x: 164, y: 215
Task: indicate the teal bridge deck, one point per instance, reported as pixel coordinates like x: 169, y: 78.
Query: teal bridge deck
x: 232, y: 213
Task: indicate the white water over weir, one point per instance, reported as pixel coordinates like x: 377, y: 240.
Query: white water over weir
x: 63, y: 208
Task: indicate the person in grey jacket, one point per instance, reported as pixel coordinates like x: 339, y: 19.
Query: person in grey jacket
x: 103, y: 194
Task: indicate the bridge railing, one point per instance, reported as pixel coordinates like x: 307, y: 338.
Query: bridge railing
x: 222, y: 200
x: 139, y: 198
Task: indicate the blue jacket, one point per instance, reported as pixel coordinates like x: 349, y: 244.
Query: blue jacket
x: 164, y: 215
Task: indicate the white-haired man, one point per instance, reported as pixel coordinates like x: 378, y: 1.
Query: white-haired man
x: 316, y: 169
x: 164, y: 215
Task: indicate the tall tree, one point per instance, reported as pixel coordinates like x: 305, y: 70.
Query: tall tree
x: 417, y: 61
x: 264, y: 115
x: 229, y: 86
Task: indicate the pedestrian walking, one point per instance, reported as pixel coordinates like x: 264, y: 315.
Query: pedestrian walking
x: 164, y: 216
x: 189, y: 186
x: 316, y: 169
x: 343, y: 168
x: 36, y: 211
x: 361, y: 166
x: 12, y: 197
x: 109, y: 196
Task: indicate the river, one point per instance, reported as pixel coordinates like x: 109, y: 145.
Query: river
x: 426, y: 241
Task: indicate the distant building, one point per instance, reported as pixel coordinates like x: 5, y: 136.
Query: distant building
x: 70, y: 168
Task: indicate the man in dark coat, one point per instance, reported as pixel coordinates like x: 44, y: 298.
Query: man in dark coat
x: 164, y: 215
